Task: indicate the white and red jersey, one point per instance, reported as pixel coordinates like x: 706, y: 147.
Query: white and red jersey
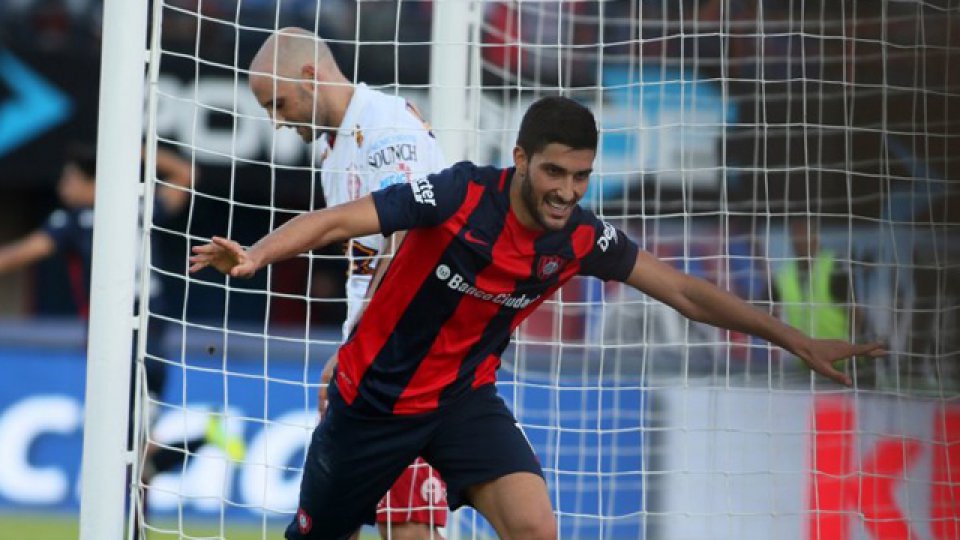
x: 383, y: 140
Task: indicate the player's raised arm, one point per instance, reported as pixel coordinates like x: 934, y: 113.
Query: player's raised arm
x: 34, y: 247
x: 300, y: 234
x: 702, y: 301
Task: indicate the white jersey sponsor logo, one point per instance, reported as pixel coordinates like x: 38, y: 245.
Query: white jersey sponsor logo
x: 456, y: 282
x: 609, y: 235
x: 423, y: 191
x: 392, y: 154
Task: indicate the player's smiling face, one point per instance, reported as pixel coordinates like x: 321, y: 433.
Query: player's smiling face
x: 550, y: 184
x: 289, y: 104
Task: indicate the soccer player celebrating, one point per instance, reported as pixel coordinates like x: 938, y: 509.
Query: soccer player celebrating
x: 484, y: 248
x: 367, y: 140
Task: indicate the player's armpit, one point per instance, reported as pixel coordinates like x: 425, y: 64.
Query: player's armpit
x: 390, y: 246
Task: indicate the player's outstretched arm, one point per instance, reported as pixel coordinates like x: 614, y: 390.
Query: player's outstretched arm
x: 34, y: 247
x: 300, y: 234
x: 702, y: 301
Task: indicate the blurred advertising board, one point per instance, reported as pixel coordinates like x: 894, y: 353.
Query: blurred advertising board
x: 755, y: 463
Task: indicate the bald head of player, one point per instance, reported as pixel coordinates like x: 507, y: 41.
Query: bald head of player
x: 297, y: 81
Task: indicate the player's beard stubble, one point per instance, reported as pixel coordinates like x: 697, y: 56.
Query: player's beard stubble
x: 533, y: 206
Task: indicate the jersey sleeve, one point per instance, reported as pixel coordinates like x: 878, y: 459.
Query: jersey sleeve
x: 613, y: 253
x: 424, y: 202
x: 62, y: 227
x: 161, y: 216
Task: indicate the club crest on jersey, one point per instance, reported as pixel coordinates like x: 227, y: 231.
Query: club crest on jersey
x: 432, y: 491
x: 304, y: 523
x: 549, y: 265
x: 358, y: 135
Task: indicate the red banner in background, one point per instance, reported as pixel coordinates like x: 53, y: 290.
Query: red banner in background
x: 856, y: 481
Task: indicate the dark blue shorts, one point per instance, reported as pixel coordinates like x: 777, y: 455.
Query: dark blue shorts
x: 353, y: 459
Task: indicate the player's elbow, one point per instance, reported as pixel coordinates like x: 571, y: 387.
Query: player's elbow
x: 338, y: 229
x: 329, y: 236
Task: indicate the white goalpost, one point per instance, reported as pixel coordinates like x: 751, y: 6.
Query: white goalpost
x: 107, y: 397
x: 801, y: 153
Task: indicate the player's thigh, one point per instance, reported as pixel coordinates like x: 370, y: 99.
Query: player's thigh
x: 517, y: 505
x: 477, y: 442
x: 350, y: 464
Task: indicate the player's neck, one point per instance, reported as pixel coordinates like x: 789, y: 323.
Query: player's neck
x: 338, y: 101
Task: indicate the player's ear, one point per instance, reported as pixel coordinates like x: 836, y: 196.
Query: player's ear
x: 309, y: 73
x: 520, y: 159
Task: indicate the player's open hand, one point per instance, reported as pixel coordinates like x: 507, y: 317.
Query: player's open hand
x: 325, y: 377
x: 225, y: 255
x: 821, y: 354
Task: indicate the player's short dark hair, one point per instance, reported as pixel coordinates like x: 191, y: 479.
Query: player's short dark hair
x: 84, y: 157
x: 557, y: 119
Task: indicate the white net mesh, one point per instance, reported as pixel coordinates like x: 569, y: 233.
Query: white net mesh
x: 801, y: 153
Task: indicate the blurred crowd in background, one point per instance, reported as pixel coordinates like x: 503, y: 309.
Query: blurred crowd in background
x: 833, y: 109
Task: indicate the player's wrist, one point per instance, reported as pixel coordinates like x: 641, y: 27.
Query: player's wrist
x: 255, y: 258
x: 798, y: 343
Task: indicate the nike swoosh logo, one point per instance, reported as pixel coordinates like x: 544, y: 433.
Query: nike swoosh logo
x: 474, y: 240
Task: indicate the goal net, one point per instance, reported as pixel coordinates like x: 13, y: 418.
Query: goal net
x: 800, y: 153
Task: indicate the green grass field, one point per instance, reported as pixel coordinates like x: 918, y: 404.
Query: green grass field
x: 66, y: 527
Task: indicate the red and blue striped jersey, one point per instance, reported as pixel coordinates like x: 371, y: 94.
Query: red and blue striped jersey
x: 467, y: 273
